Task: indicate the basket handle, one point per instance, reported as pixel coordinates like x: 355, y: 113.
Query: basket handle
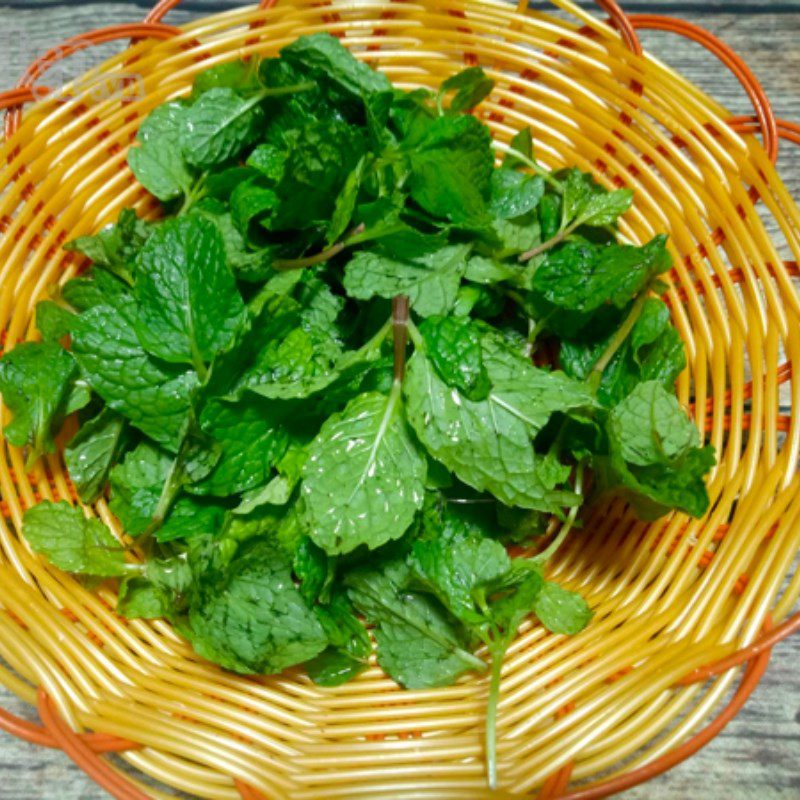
x: 26, y: 88
x: 163, y: 7
x: 763, y: 108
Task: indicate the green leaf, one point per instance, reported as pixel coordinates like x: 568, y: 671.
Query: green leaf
x: 159, y: 593
x: 252, y: 265
x: 326, y: 57
x: 139, y: 598
x: 298, y: 363
x: 239, y: 75
x: 189, y: 306
x: 451, y: 169
x: 53, y: 321
x: 320, y: 157
x: 431, y: 281
x: 587, y: 203
x: 522, y: 142
x: 82, y: 293
x: 489, y: 271
x: 37, y: 381
x: 314, y: 569
x: 582, y: 277
x: 471, y: 85
x: 136, y: 486
x: 93, y: 451
x: 219, y: 126
x: 154, y: 396
x: 333, y: 667
x: 114, y: 247
x: 269, y: 160
x: 513, y: 193
x: 487, y: 443
x: 650, y: 426
x: 191, y: 517
x: 364, y: 479
x: 454, y: 347
x: 345, y: 203
x: 419, y: 645
x: 455, y: 561
x: 71, y: 542
x: 250, y: 202
x: 251, y: 437
x: 350, y: 645
x: 251, y: 619
x: 157, y: 161
x: 654, y: 351
x: 560, y: 610
x: 277, y: 492
x: 667, y: 467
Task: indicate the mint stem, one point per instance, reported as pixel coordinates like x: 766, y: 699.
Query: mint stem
x: 553, y: 182
x: 284, y: 264
x: 550, y: 243
x: 619, y: 337
x: 566, y: 527
x: 277, y: 91
x: 491, y: 714
x: 400, y: 334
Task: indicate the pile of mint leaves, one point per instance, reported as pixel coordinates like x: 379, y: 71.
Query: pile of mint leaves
x: 309, y: 390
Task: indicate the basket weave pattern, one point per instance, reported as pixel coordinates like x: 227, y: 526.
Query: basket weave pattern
x: 678, y: 603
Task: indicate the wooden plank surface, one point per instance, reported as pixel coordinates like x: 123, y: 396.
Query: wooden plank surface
x: 758, y: 755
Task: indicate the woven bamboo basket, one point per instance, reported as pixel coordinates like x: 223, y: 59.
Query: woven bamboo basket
x: 686, y: 611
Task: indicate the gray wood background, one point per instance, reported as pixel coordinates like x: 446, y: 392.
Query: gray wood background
x: 758, y: 755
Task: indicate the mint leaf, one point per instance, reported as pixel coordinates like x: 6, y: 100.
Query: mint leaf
x: 656, y: 461
x: 114, y: 249
x: 93, y: 451
x: 488, y: 271
x: 37, y: 381
x: 157, y: 161
x: 251, y: 437
x: 580, y: 276
x: 418, y: 645
x: 239, y: 75
x: 560, y: 610
x: 53, y: 321
x: 345, y: 203
x: 251, y: 201
x: 320, y: 156
x: 315, y: 571
x: 350, y: 646
x: 513, y: 193
x: 587, y: 203
x: 454, y: 347
x: 451, y: 169
x: 297, y: 364
x: 246, y: 263
x: 325, y: 57
x: 364, y: 479
x: 471, y: 85
x: 154, y: 396
x: 521, y: 143
x: 650, y: 426
x: 189, y: 307
x: 218, y: 126
x: 455, y: 562
x: 71, y: 542
x: 251, y: 619
x: 431, y: 281
x: 191, y: 517
x: 137, y: 485
x: 487, y: 443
